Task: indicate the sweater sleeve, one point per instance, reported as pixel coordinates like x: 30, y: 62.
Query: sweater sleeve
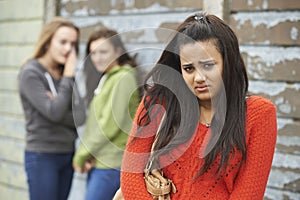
x: 33, y: 88
x: 77, y: 115
x: 262, y: 132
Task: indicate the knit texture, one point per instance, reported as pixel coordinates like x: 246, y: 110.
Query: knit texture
x: 240, y: 180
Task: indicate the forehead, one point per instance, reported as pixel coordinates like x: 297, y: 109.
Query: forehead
x: 101, y: 43
x: 67, y: 33
x: 199, y: 50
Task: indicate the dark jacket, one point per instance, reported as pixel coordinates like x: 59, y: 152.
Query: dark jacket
x: 50, y: 124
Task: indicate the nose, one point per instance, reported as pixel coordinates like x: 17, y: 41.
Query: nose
x: 199, y: 76
x: 68, y: 46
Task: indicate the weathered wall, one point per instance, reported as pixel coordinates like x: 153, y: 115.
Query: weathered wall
x: 19, y: 30
x: 144, y: 26
x: 268, y: 31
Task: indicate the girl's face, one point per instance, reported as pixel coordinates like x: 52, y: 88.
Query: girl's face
x: 62, y: 42
x: 202, y: 65
x: 103, y: 54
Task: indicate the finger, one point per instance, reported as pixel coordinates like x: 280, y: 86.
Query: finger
x: 158, y: 175
x: 87, y: 167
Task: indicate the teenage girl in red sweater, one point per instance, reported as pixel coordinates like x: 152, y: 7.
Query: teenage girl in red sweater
x: 216, y: 142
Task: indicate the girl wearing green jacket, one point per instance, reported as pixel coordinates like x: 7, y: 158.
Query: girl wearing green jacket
x: 109, y: 117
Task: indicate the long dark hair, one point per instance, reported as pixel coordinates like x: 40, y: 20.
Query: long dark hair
x: 199, y: 27
x: 92, y: 75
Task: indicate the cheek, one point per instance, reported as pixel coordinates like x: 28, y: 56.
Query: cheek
x: 52, y: 50
x: 102, y: 57
x: 56, y: 49
x: 111, y: 57
x: 94, y: 57
x: 55, y: 45
x: 217, y: 84
x: 187, y: 79
x: 99, y: 57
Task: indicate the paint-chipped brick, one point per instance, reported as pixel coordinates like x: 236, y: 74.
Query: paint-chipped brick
x: 253, y: 5
x: 267, y: 28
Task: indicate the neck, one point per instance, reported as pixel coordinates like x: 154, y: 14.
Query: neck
x: 206, y: 115
x: 111, y: 66
x: 50, y: 66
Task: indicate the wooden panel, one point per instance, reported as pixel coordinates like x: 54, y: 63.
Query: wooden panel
x: 288, y: 127
x: 267, y: 28
x: 12, y: 149
x: 288, y: 139
x: 9, y: 80
x: 133, y: 28
x: 8, y: 192
x: 284, y: 96
x: 14, y: 9
x: 13, y: 174
x: 20, y: 32
x: 146, y: 54
x: 287, y: 163
x: 12, y: 127
x: 276, y: 180
x: 279, y: 194
x: 285, y: 173
x: 104, y: 7
x: 10, y: 103
x: 252, y: 5
x: 272, y: 63
x: 14, y: 55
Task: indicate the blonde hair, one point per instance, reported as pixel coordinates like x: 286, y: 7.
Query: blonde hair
x: 47, y: 33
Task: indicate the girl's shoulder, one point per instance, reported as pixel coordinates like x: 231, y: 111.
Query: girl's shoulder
x: 32, y: 67
x: 254, y: 101
x: 120, y: 71
x: 259, y: 104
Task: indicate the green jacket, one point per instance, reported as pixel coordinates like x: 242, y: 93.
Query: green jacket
x: 109, y: 120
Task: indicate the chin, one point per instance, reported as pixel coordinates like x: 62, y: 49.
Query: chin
x: 62, y: 61
x: 99, y: 69
x: 204, y: 97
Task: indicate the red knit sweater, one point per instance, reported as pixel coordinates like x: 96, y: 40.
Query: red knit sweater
x: 239, y: 181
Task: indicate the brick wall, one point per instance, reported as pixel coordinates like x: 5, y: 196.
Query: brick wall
x: 268, y: 31
x: 144, y: 26
x: 19, y: 30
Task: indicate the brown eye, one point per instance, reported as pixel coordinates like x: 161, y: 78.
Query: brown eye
x: 188, y: 69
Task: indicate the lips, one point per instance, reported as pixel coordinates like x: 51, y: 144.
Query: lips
x: 201, y: 88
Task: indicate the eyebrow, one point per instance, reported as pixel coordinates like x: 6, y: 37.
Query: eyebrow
x: 187, y: 64
x: 200, y: 62
x: 206, y: 61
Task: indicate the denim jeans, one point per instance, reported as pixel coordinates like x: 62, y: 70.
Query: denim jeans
x: 49, y: 175
x: 102, y: 184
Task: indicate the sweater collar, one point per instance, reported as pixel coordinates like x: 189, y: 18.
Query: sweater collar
x: 113, y: 70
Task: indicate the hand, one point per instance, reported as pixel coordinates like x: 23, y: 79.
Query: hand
x: 118, y: 195
x: 70, y: 64
x: 78, y: 169
x: 89, y: 164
